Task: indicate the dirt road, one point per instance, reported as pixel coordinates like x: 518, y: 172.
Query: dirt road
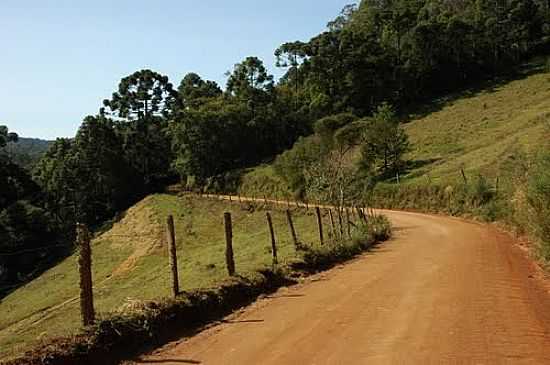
x: 442, y: 291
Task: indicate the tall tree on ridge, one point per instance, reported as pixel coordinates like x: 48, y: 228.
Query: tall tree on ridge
x: 142, y: 106
x: 249, y: 82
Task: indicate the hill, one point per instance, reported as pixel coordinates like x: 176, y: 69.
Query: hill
x: 27, y: 151
x: 478, y: 130
x: 130, y: 264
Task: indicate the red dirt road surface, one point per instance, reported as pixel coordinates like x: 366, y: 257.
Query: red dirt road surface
x: 442, y: 291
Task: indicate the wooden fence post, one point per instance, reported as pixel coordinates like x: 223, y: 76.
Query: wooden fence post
x: 320, y: 224
x: 340, y: 221
x: 85, y: 270
x: 332, y: 226
x: 172, y: 255
x: 229, y: 259
x: 348, y: 222
x: 361, y: 215
x: 292, y: 230
x: 273, y: 242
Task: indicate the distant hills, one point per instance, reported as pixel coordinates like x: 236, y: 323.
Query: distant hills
x: 27, y: 151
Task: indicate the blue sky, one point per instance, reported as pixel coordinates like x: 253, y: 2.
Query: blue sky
x: 60, y: 59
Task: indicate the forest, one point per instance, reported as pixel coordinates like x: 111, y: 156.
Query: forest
x: 342, y: 89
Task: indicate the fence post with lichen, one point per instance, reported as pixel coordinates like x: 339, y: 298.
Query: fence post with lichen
x: 273, y: 241
x: 83, y: 238
x: 292, y: 230
x: 229, y: 259
x: 320, y: 224
x: 172, y: 255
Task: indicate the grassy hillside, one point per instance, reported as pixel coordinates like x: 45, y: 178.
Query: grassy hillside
x: 130, y: 264
x: 478, y: 130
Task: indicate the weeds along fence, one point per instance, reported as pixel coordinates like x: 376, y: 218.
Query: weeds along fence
x: 328, y: 224
x: 475, y: 195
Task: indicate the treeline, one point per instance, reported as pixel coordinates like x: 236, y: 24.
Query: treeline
x: 150, y: 133
x: 401, y: 51
x: 26, y: 152
x: 29, y: 237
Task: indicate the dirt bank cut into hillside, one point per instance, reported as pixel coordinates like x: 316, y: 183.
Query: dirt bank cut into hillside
x: 139, y: 229
x: 443, y: 291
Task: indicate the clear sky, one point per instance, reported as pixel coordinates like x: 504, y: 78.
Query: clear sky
x: 60, y: 58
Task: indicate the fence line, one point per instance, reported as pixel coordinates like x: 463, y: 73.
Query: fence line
x: 84, y: 238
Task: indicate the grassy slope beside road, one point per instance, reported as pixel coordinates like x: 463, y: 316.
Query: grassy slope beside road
x: 130, y: 264
x: 478, y: 130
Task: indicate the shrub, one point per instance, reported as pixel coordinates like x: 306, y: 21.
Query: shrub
x: 290, y: 165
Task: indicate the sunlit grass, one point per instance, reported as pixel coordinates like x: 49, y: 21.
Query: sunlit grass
x: 28, y: 314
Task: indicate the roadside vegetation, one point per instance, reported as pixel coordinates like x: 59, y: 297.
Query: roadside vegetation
x: 480, y: 153
x: 132, y: 277
x: 337, y: 128
x: 151, y: 132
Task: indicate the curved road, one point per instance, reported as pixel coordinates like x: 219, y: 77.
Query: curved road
x: 442, y: 291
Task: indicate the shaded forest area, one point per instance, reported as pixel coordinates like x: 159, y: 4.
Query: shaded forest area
x: 373, y: 58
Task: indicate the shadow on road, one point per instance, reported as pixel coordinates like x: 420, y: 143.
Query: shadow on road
x: 169, y: 361
x: 243, y: 321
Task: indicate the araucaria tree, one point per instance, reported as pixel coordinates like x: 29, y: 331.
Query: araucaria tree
x: 142, y: 106
x: 250, y: 83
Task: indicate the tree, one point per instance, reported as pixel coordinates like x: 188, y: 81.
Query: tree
x: 343, y: 18
x: 141, y: 96
x: 208, y: 141
x: 193, y: 90
x: 85, y: 179
x: 384, y: 142
x: 6, y: 136
x: 291, y: 55
x: 249, y: 82
x: 142, y: 106
x: 26, y: 228
x: 292, y: 165
x: 56, y: 174
x: 104, y: 180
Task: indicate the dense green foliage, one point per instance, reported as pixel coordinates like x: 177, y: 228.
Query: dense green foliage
x: 28, y: 235
x: 339, y: 84
x: 400, y: 51
x: 385, y: 142
x: 325, y: 167
x: 379, y: 51
x: 26, y: 152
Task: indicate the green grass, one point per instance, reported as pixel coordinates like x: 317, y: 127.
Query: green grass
x: 36, y: 312
x: 480, y: 130
x: 262, y: 180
